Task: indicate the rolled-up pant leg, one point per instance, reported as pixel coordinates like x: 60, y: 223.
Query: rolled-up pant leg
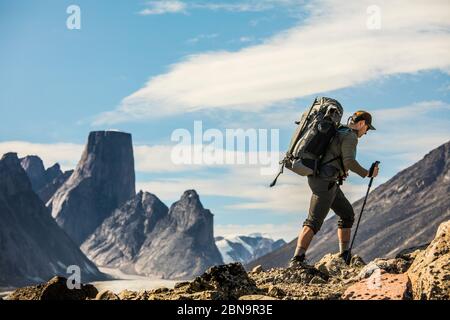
x: 342, y: 207
x: 321, y: 200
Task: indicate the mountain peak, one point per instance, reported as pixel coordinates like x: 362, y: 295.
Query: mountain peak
x: 190, y: 195
x: 10, y: 157
x: 103, y: 180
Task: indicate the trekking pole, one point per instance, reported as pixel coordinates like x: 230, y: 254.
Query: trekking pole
x: 372, y: 168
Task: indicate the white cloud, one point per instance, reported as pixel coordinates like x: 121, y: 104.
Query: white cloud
x: 162, y: 7
x: 405, y: 134
x: 202, y: 37
x: 248, y: 6
x: 332, y: 49
x: 250, y: 189
x: 66, y: 154
x: 411, y: 112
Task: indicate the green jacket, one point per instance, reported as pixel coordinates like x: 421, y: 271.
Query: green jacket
x: 343, y: 144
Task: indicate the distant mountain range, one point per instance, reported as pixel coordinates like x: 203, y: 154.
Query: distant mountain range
x: 401, y: 213
x: 244, y: 249
x: 96, y: 207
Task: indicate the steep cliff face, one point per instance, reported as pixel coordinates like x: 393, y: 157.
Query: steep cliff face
x: 144, y: 237
x: 118, y: 240
x: 403, y: 212
x: 103, y: 180
x: 45, y: 182
x: 34, y: 167
x: 33, y: 247
x: 47, y: 191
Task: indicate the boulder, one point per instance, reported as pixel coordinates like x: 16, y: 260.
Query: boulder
x: 275, y: 276
x: 107, y: 295
x: 230, y: 280
x: 411, y: 253
x: 55, y: 289
x: 334, y: 266
x: 395, y: 266
x: 257, y: 269
x: 257, y: 297
x: 380, y: 286
x: 430, y: 271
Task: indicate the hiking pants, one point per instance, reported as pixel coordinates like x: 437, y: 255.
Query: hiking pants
x: 327, y: 195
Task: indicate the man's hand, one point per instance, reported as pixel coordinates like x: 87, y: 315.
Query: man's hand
x: 373, y: 172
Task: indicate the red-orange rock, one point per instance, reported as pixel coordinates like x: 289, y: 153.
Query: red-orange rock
x: 380, y: 286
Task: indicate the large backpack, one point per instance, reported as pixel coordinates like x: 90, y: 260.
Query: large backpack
x: 315, y: 130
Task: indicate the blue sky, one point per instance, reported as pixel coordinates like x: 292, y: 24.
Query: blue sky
x: 151, y: 67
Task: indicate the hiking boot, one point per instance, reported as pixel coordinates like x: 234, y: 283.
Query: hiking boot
x: 346, y: 256
x: 297, y: 261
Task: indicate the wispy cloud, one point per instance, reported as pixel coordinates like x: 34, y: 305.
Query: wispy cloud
x: 201, y: 37
x: 66, y: 154
x: 163, y: 7
x: 248, y: 188
x: 405, y: 134
x: 174, y: 6
x: 332, y: 49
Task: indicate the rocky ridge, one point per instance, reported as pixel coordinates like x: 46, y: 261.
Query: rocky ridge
x: 419, y: 273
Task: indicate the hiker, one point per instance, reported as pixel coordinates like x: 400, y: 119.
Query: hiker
x: 338, y: 159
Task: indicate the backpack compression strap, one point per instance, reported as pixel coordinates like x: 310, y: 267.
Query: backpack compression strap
x: 279, y: 173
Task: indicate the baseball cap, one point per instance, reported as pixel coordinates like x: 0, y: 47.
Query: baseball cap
x: 363, y: 115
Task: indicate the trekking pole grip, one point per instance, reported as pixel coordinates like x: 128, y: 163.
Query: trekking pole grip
x: 372, y: 168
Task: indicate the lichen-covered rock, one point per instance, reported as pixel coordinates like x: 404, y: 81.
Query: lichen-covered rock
x: 257, y: 297
x: 275, y: 291
x: 231, y: 280
x: 276, y: 276
x: 55, y: 289
x: 130, y: 295
x: 411, y: 253
x: 380, y: 286
x: 257, y: 269
x: 395, y: 266
x: 430, y: 271
x: 107, y: 295
x: 334, y: 266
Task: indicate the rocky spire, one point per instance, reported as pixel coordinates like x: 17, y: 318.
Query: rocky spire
x: 34, y: 167
x: 45, y: 182
x: 181, y: 245
x: 103, y: 180
x: 145, y: 237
